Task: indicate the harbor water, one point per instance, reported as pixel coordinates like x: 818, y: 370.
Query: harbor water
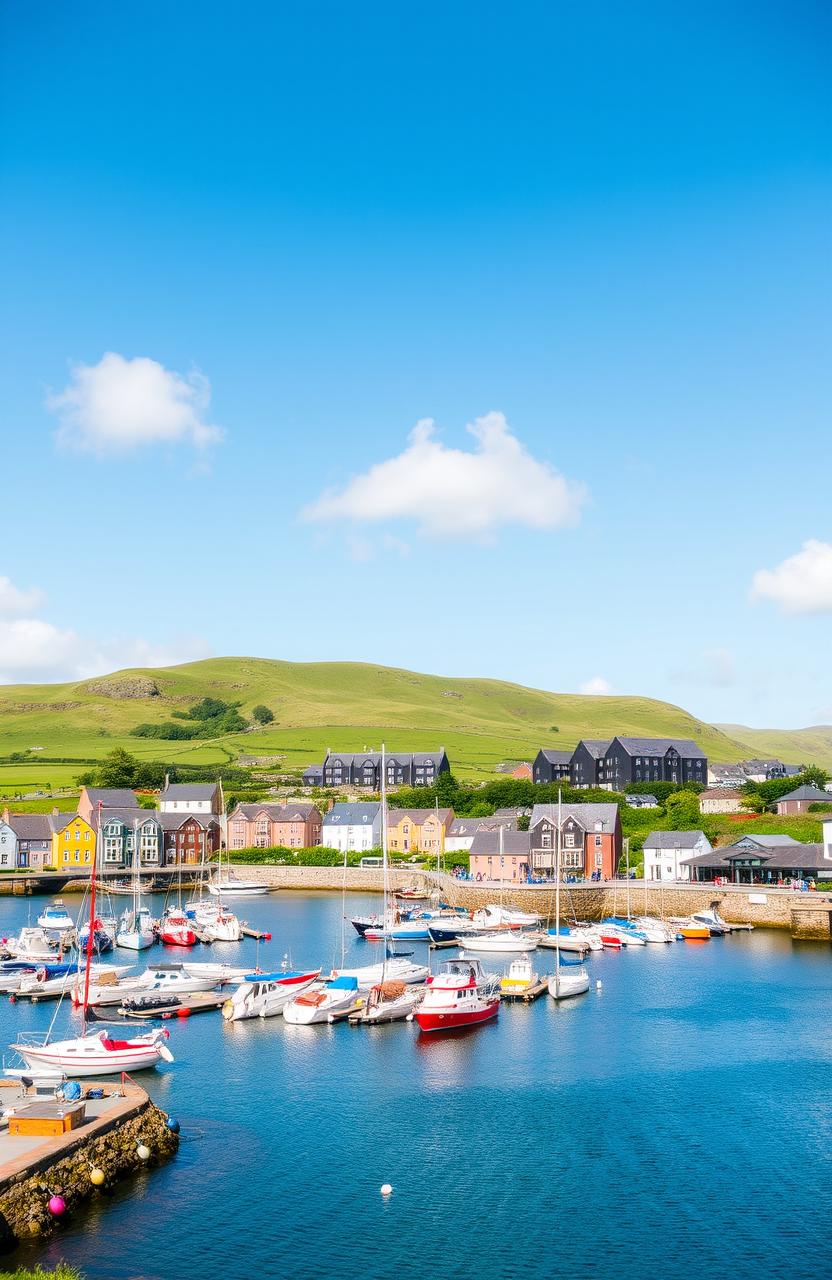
x: 676, y: 1121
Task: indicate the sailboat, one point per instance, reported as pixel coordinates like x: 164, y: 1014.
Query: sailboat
x: 391, y: 999
x: 94, y: 1053
x: 135, y: 928
x: 563, y: 985
x: 215, y: 921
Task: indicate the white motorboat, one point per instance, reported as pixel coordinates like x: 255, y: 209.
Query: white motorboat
x: 12, y: 973
x: 713, y: 920
x: 231, y: 887
x: 221, y: 926
x: 264, y: 995
x: 172, y: 979
x: 390, y: 1002
x: 45, y: 984
x: 32, y: 944
x: 492, y: 915
x: 510, y: 942
x: 396, y: 969
x: 521, y: 977
x: 136, y: 931
x: 97, y: 1053
x: 320, y: 1001
x: 575, y: 939
x: 56, y: 918
x: 220, y: 974
x: 564, y: 983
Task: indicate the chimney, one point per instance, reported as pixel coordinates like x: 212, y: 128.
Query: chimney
x: 5, y: 813
x: 55, y: 811
x: 167, y: 781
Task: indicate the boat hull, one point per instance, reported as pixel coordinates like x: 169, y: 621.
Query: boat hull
x: 568, y: 985
x: 430, y: 1020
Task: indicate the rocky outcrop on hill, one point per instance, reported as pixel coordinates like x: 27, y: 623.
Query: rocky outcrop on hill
x: 123, y: 687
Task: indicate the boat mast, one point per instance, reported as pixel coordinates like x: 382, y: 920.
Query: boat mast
x: 91, y: 926
x: 557, y: 893
x: 388, y: 913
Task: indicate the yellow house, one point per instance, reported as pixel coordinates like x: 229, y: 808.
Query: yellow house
x: 73, y: 842
x: 418, y: 831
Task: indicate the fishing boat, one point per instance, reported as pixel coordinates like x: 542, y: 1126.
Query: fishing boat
x: 462, y: 995
x: 175, y: 979
x: 501, y: 943
x: 322, y: 999
x: 97, y: 1054
x: 32, y: 944
x: 229, y: 886
x: 263, y: 995
x: 175, y: 929
x: 521, y: 977
x: 56, y: 918
x: 574, y: 982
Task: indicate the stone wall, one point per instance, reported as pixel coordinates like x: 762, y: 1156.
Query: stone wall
x: 24, y: 1198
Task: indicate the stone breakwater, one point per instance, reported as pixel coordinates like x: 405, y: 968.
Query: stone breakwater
x: 805, y: 915
x: 63, y: 1166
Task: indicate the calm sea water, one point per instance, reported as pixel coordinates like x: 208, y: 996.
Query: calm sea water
x: 676, y: 1123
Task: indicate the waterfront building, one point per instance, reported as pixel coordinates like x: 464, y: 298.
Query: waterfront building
x: 800, y: 800
x: 190, y: 837
x: 586, y: 762
x: 33, y: 834
x: 591, y: 840
x: 8, y: 844
x: 107, y: 798
x: 765, y: 860
x: 460, y: 834
x: 73, y: 841
x: 363, y: 769
x: 551, y: 766
x: 118, y: 833
x: 418, y: 830
x: 507, y: 860
x: 721, y: 800
x: 265, y: 826
x: 352, y: 826
x: 666, y: 853
x: 191, y: 797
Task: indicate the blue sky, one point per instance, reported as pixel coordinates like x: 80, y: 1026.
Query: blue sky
x: 300, y: 230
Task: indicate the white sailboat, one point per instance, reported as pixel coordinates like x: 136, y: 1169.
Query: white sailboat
x: 575, y: 982
x: 135, y: 929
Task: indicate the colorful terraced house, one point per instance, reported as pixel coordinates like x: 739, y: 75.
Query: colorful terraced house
x: 73, y: 841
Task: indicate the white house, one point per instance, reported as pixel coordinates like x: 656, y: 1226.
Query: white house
x: 191, y: 797
x: 827, y: 841
x: 352, y: 827
x: 8, y: 846
x: 666, y: 851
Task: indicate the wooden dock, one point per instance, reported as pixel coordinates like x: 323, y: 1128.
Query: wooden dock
x: 262, y: 935
x: 526, y: 997
x: 185, y: 1006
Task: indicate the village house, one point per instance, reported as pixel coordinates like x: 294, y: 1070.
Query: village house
x: 666, y: 853
x: 460, y: 834
x: 73, y: 841
x: 107, y: 798
x: 636, y: 800
x: 191, y: 797
x: 349, y: 827
x: 266, y: 826
x: 507, y: 860
x: 799, y: 801
x: 412, y: 831
x: 522, y: 771
x: 8, y: 844
x: 122, y: 831
x: 721, y: 800
x: 766, y: 860
x: 586, y: 762
x: 590, y: 839
x: 726, y: 775
x: 33, y: 839
x: 551, y: 766
x: 190, y: 838
x: 628, y: 760
x: 363, y: 769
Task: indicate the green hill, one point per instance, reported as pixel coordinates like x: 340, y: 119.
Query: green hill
x: 342, y: 705
x: 792, y: 746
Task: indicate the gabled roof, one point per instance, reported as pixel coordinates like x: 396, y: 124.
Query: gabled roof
x: 786, y: 857
x: 555, y: 757
x: 173, y: 821
x: 57, y: 821
x: 660, y: 746
x: 674, y: 839
x: 514, y: 844
x: 418, y: 816
x: 721, y: 793
x: 596, y: 747
x: 585, y: 814
x: 134, y: 815
x: 111, y: 797
x: 470, y: 826
x: 353, y: 815
x: 810, y: 792
x: 190, y: 791
x: 31, y: 826
x: 299, y: 812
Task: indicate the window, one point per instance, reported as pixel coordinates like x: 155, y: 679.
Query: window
x: 573, y: 858
x: 569, y: 840
x: 599, y: 840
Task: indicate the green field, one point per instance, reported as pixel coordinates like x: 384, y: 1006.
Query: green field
x: 342, y: 705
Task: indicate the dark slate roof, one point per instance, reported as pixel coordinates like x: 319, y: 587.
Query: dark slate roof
x: 793, y: 856
x: 112, y: 797
x: 358, y: 758
x: 811, y: 793
x: 585, y: 814
x: 673, y: 839
x: 190, y: 791
x: 488, y: 843
x: 596, y: 747
x: 470, y: 826
x: 555, y: 757
x: 128, y: 816
x: 358, y: 815
x: 638, y: 798
x: 31, y: 826
x: 659, y: 746
x: 57, y: 821
x: 278, y: 812
x: 173, y: 821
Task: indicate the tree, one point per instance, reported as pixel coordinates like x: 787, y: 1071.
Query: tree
x: 118, y: 769
x: 814, y: 774
x: 682, y: 809
x: 446, y: 788
x: 262, y: 714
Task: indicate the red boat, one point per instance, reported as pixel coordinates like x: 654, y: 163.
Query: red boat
x: 611, y: 942
x: 461, y: 996
x: 175, y: 929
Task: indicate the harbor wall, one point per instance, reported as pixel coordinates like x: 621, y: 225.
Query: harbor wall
x: 805, y: 915
x: 111, y: 1144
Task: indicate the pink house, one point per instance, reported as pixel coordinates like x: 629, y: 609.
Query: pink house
x: 262, y: 826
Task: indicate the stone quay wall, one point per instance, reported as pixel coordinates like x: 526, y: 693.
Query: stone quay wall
x: 805, y: 915
x: 65, y: 1169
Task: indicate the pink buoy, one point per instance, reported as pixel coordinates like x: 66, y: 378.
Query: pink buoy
x: 57, y: 1206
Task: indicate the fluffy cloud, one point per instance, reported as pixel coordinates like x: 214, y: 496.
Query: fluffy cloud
x: 458, y: 493
x: 15, y: 601
x: 597, y: 687
x: 33, y: 649
x: 119, y: 404
x: 801, y: 584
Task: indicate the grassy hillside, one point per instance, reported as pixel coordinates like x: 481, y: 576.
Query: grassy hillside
x: 343, y: 705
x: 793, y: 746
x: 320, y: 705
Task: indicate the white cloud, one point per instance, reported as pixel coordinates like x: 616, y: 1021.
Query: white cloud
x: 598, y: 686
x: 14, y: 600
x: 458, y: 493
x: 802, y: 583
x: 120, y: 404
x: 33, y: 649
